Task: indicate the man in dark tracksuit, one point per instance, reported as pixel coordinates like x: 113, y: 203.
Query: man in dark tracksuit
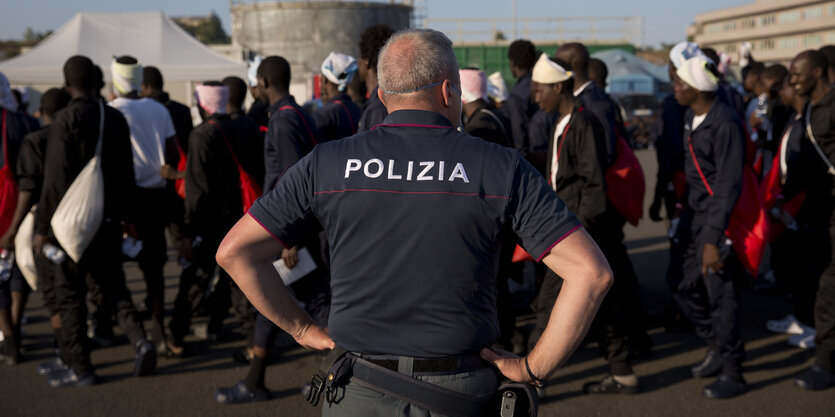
x: 670, y: 155
x: 808, y: 73
x: 72, y: 142
x: 800, y: 254
x: 576, y: 171
x: 213, y: 200
x: 705, y: 291
x: 371, y: 41
x: 13, y: 291
x: 594, y: 99
x: 29, y: 182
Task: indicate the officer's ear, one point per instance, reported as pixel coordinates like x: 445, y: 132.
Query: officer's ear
x: 381, y: 96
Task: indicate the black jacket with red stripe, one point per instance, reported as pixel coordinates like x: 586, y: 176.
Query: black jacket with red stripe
x: 291, y: 134
x: 714, y: 158
x: 338, y: 119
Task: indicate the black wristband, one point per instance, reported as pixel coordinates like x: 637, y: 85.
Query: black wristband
x: 536, y: 381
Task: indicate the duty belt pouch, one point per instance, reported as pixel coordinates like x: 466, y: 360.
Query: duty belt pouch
x: 516, y: 399
x: 334, y: 373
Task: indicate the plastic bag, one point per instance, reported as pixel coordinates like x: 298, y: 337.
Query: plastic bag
x: 80, y: 213
x: 24, y: 250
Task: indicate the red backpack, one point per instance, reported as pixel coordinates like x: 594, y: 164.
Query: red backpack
x: 625, y: 184
x: 180, y: 185
x: 770, y: 189
x: 250, y: 191
x: 8, y: 186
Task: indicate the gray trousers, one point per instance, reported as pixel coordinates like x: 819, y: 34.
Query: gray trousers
x: 359, y: 401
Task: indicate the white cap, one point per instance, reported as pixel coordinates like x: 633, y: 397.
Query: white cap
x: 549, y: 72
x: 683, y: 51
x: 339, y: 69
x: 496, y: 87
x: 696, y: 74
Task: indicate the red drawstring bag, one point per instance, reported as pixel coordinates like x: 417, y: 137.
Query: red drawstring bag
x: 770, y: 189
x: 250, y: 191
x: 8, y: 186
x: 180, y: 185
x: 625, y: 186
x: 748, y: 227
x: 679, y: 184
x: 519, y: 255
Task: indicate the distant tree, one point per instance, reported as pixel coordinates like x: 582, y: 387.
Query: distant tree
x: 499, y: 36
x: 208, y: 30
x: 32, y: 36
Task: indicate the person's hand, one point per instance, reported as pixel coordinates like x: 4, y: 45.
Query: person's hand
x: 290, y: 256
x: 7, y: 240
x: 711, y: 260
x: 129, y: 229
x: 38, y: 243
x: 185, y: 249
x: 755, y: 121
x: 314, y: 337
x: 508, y: 364
x: 655, y: 210
x: 170, y: 173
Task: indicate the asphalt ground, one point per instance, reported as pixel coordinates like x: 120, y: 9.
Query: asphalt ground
x: 184, y: 387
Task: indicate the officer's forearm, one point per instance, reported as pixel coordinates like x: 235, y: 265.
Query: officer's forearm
x: 587, y: 278
x: 246, y: 253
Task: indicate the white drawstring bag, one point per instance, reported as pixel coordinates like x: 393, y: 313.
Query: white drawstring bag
x: 24, y: 252
x: 79, y: 214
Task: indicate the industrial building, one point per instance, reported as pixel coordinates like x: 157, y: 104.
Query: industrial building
x: 777, y: 29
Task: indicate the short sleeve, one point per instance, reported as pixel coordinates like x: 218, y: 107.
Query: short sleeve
x: 538, y: 216
x: 286, y: 210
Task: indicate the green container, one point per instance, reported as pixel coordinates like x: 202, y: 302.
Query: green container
x: 492, y: 58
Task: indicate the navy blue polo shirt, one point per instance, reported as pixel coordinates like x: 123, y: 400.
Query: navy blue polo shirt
x: 413, y: 212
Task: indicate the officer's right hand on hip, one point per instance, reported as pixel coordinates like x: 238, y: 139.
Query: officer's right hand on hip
x: 315, y: 337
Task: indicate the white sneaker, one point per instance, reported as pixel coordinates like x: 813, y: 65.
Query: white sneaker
x: 787, y: 325
x: 805, y: 340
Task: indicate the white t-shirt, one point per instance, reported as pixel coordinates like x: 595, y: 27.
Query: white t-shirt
x: 150, y: 124
x: 697, y: 120
x: 555, y: 164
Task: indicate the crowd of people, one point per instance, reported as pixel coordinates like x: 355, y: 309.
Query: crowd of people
x: 295, y: 169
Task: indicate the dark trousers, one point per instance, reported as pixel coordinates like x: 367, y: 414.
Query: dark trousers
x: 798, y: 258
x: 102, y: 262
x: 710, y: 303
x: 196, y: 286
x: 610, y: 326
x: 150, y: 230
x: 825, y: 309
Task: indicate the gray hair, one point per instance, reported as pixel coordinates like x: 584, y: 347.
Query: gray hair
x: 429, y: 59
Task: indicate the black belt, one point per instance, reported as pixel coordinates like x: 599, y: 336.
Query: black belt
x: 423, y: 366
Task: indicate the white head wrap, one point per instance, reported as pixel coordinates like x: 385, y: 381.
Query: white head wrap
x: 126, y: 77
x: 696, y: 74
x: 549, y: 72
x: 496, y: 87
x: 252, y: 71
x: 339, y: 69
x: 473, y: 85
x: 683, y: 51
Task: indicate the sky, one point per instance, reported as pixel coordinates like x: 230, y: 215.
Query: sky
x: 664, y: 20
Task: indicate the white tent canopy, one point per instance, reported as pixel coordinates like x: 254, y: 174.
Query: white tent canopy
x: 151, y: 37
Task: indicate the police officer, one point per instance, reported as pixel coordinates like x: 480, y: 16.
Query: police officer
x: 705, y: 290
x: 413, y: 210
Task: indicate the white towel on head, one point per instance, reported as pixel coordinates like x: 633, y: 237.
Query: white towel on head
x: 696, y: 74
x: 473, y: 85
x: 126, y: 77
x: 683, y: 51
x: 496, y: 87
x: 549, y: 72
x: 339, y: 69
